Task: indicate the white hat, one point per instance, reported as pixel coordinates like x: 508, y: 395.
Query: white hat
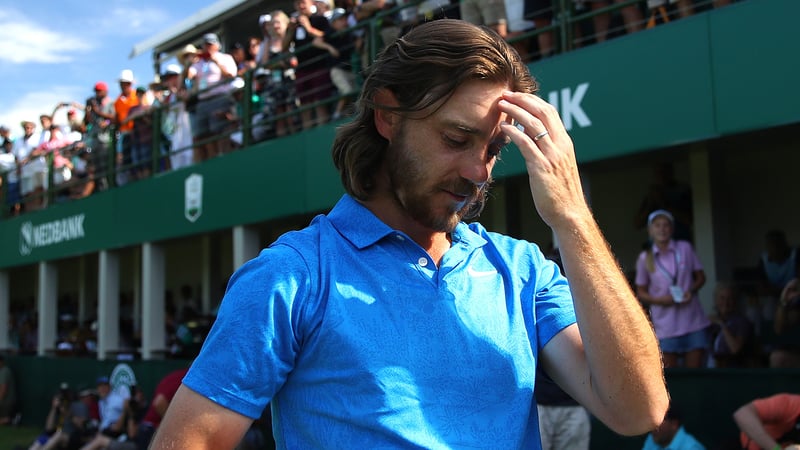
x: 657, y: 213
x: 173, y: 69
x: 126, y: 76
x: 264, y: 18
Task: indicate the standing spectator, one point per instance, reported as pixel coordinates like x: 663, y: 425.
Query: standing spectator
x: 210, y: 76
x: 778, y: 263
x: 9, y: 174
x: 631, y: 15
x: 141, y: 115
x: 340, y: 43
x: 491, y: 13
x: 563, y: 423
x: 280, y: 93
x: 671, y: 435
x: 45, y: 120
x: 668, y: 277
x: 541, y: 13
x: 769, y: 423
x: 126, y: 100
x: 8, y: 393
x: 33, y: 167
x: 98, y: 116
x: 313, y: 81
x: 732, y: 334
x: 175, y: 124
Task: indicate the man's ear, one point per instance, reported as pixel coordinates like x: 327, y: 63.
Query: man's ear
x: 385, y: 120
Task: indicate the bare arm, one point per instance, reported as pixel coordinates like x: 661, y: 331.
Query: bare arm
x: 196, y: 422
x: 610, y: 362
x: 783, y: 314
x: 748, y: 421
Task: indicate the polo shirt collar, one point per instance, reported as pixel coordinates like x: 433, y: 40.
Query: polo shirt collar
x: 363, y: 228
x: 670, y: 247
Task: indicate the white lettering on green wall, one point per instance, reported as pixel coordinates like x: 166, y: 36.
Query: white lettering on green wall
x: 50, y: 233
x: 568, y: 104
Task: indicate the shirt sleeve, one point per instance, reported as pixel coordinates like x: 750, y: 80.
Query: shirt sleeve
x: 253, y: 343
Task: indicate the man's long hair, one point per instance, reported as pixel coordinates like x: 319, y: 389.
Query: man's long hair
x: 422, y: 69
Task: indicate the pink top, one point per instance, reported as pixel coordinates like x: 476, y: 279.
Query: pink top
x: 678, y: 262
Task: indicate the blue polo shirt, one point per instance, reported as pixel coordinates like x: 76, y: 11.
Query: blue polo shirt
x: 358, y: 340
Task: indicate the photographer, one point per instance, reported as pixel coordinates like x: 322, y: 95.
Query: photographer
x: 64, y: 426
x: 132, y: 414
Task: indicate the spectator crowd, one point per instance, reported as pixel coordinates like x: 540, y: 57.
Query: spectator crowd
x: 305, y: 67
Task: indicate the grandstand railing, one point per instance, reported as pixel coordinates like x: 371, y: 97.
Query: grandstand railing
x: 565, y: 21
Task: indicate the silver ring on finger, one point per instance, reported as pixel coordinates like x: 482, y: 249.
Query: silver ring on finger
x: 540, y: 135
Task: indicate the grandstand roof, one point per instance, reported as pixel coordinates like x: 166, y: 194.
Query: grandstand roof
x: 207, y: 19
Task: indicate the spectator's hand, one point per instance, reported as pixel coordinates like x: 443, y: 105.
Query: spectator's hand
x: 303, y: 21
x: 687, y: 295
x: 715, y: 319
x: 790, y: 292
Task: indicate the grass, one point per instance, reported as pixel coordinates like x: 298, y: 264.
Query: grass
x: 21, y: 436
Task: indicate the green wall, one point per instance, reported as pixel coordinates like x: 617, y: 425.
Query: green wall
x: 706, y: 397
x: 38, y: 379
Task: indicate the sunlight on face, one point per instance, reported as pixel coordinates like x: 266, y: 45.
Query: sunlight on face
x: 440, y: 165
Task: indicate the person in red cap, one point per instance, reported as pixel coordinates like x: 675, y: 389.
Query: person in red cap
x: 98, y: 115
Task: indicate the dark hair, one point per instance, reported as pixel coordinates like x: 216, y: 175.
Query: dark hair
x: 422, y: 69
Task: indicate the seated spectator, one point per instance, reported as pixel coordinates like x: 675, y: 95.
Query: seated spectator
x: 340, y: 44
x: 732, y: 343
x: 8, y: 393
x: 769, y: 423
x: 162, y: 396
x: 132, y: 413
x: 112, y: 420
x: 786, y: 349
x: 671, y: 435
x: 66, y: 421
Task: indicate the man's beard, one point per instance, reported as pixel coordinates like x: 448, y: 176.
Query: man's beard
x: 408, y: 178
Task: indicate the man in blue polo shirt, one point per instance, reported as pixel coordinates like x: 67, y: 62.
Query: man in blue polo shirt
x: 392, y: 323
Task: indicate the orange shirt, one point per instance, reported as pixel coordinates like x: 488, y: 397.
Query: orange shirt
x: 122, y: 105
x: 778, y: 414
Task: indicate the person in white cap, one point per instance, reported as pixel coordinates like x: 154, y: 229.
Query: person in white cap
x: 210, y: 76
x: 668, y: 277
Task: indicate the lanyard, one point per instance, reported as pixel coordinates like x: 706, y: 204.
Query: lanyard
x: 672, y: 278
